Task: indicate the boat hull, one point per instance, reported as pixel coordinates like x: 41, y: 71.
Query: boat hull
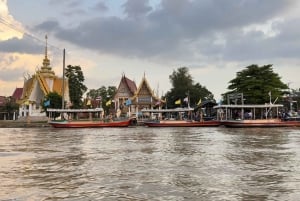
x: 88, y: 124
x: 182, y: 123
x: 260, y: 123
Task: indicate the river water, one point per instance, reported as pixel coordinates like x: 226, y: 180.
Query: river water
x: 149, y: 164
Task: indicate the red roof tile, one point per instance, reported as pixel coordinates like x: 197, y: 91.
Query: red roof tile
x: 17, y: 93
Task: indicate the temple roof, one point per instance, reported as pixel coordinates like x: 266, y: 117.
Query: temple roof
x: 131, y: 84
x: 144, y: 89
x: 17, y: 94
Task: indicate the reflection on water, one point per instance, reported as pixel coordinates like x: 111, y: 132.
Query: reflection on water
x: 149, y: 164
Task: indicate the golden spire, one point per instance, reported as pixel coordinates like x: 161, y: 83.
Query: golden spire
x: 46, y: 68
x: 46, y: 47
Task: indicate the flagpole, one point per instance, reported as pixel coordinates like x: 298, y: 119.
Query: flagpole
x: 63, y: 83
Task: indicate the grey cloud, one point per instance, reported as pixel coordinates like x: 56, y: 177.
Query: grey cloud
x: 137, y: 8
x: 24, y: 45
x: 100, y: 6
x: 179, y: 28
x: 47, y: 26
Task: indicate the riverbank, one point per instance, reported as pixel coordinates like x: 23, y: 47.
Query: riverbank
x: 23, y: 124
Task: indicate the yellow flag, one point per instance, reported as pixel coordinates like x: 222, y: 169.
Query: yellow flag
x: 199, y: 102
x: 88, y: 102
x: 178, y: 102
x: 27, y: 102
x: 108, y: 103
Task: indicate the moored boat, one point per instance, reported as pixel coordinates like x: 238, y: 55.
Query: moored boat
x: 67, y: 122
x: 267, y: 115
x: 179, y: 117
x: 89, y: 124
x: 181, y: 123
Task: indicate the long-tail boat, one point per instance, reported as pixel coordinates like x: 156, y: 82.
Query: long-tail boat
x: 179, y: 117
x: 66, y: 122
x: 264, y: 115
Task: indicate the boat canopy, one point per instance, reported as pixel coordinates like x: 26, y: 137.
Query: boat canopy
x: 249, y: 106
x: 227, y: 112
x: 74, y: 110
x: 168, y: 110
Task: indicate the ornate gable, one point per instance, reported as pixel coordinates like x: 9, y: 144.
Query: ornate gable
x: 144, y: 93
x: 126, y: 88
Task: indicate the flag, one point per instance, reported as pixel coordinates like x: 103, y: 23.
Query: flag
x: 186, y: 99
x: 47, y: 103
x: 88, y: 102
x: 199, y: 102
x: 108, y: 103
x: 128, y: 102
x: 26, y: 102
x: 178, y: 102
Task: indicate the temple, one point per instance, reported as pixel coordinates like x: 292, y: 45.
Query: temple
x: 39, y: 85
x: 130, y: 100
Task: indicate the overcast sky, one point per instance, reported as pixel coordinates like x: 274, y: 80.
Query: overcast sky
x: 213, y: 38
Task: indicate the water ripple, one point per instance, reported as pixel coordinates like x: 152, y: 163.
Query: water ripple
x: 149, y: 164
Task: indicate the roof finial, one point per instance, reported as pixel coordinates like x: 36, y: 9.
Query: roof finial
x: 46, y: 68
x: 46, y: 53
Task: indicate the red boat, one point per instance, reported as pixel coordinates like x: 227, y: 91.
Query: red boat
x: 182, y: 123
x: 89, y: 124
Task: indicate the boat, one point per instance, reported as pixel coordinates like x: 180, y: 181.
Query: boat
x: 89, y: 124
x: 181, y: 123
x: 179, y: 117
x: 66, y: 122
x: 263, y: 115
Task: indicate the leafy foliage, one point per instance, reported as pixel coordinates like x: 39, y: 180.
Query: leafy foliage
x: 54, y: 101
x: 183, y: 86
x: 255, y: 83
x: 106, y: 94
x: 76, y: 87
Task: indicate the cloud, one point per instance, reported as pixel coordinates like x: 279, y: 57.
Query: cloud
x: 177, y: 31
x: 137, y: 8
x: 27, y: 44
x: 100, y: 7
x: 48, y: 26
x: 14, y: 65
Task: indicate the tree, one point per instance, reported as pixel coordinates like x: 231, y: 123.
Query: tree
x: 76, y: 87
x: 257, y: 84
x: 52, y: 100
x: 183, y: 86
x: 106, y: 95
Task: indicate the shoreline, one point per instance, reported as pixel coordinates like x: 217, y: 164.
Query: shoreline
x: 23, y: 124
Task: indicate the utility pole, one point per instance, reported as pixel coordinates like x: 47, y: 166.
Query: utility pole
x: 63, y: 83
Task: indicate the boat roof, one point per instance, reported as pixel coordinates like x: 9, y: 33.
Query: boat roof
x: 168, y: 110
x: 250, y: 106
x: 74, y: 110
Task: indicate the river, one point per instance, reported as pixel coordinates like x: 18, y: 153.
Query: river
x: 149, y: 164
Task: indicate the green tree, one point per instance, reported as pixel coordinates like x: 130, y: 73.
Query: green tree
x: 52, y: 100
x: 257, y: 83
x: 76, y: 87
x: 106, y: 95
x: 11, y: 105
x: 183, y: 86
